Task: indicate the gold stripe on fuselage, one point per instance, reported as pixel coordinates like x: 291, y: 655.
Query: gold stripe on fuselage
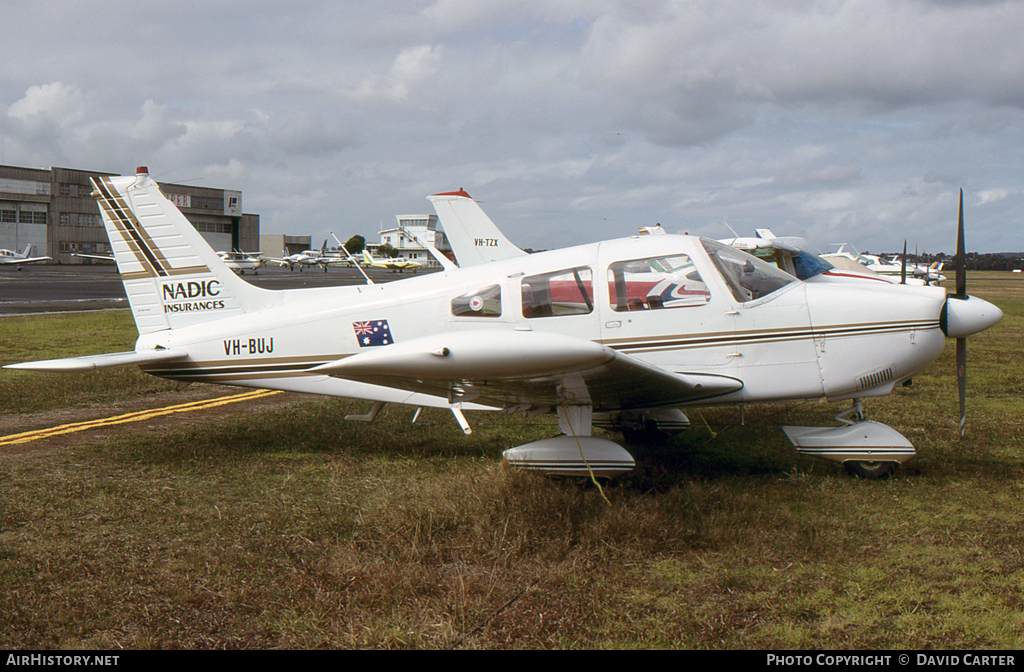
x: 721, y: 339
x: 228, y: 370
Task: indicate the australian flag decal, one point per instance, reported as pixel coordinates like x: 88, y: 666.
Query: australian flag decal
x: 373, y: 332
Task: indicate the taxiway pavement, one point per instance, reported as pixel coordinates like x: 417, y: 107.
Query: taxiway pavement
x: 49, y: 288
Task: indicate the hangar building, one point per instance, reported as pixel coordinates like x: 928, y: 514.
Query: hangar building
x: 51, y: 210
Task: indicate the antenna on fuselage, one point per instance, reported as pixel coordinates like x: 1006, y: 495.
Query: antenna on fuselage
x: 351, y: 259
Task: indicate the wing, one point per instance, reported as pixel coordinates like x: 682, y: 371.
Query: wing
x: 28, y: 260
x: 515, y: 369
x: 102, y: 257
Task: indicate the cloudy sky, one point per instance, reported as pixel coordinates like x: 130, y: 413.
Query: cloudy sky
x: 568, y: 120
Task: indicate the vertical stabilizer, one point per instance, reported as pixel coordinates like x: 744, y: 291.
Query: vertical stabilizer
x: 474, y: 238
x: 171, y: 275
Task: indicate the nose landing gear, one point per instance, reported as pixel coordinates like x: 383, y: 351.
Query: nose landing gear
x: 866, y: 448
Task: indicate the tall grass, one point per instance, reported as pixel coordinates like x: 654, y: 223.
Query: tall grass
x: 30, y: 338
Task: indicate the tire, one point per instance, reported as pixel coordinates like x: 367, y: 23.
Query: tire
x: 649, y: 437
x: 874, y: 470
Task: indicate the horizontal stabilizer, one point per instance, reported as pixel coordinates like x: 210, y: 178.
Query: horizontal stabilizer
x: 90, y: 362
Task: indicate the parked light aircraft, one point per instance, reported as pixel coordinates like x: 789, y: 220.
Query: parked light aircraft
x: 242, y: 261
x: 394, y: 264
x: 621, y: 333
x: 305, y: 259
x: 928, y: 273
x: 14, y: 258
x: 792, y: 255
x: 916, y: 273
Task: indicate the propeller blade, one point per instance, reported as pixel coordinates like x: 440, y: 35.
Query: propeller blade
x: 961, y: 262
x: 961, y: 381
x: 961, y: 293
x: 903, y: 264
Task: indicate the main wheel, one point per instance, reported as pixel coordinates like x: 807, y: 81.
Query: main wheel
x: 865, y: 469
x: 650, y: 436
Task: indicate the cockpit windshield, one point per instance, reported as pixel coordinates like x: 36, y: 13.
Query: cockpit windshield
x: 804, y: 264
x: 808, y: 265
x: 748, y: 278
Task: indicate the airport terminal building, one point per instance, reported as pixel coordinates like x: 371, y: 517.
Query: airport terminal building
x: 51, y: 210
x: 407, y: 236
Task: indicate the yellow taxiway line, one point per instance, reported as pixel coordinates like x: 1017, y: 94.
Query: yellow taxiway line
x: 26, y: 437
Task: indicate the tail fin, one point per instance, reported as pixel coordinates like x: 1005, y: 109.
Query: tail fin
x: 27, y: 253
x: 368, y: 258
x: 172, y: 277
x: 474, y: 238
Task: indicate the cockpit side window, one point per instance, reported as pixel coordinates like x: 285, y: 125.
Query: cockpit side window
x: 655, y: 283
x: 748, y: 278
x: 567, y: 292
x: 483, y: 302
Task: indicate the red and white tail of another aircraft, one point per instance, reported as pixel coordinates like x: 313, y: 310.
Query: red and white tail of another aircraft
x: 473, y: 237
x: 623, y: 333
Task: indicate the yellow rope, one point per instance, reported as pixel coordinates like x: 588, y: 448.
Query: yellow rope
x: 593, y: 479
x: 34, y: 435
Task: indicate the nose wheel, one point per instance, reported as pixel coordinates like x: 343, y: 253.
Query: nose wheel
x: 864, y: 468
x: 866, y: 448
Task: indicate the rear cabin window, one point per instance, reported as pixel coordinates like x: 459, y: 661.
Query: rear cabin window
x: 656, y: 283
x: 484, y: 302
x: 568, y: 292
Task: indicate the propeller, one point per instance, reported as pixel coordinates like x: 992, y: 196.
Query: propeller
x: 961, y: 293
x: 964, y: 315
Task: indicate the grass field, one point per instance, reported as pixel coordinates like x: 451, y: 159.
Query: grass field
x: 293, y: 528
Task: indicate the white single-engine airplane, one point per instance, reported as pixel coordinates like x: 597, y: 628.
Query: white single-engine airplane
x: 897, y: 267
x: 13, y: 258
x: 791, y: 255
x: 622, y: 333
x: 242, y: 261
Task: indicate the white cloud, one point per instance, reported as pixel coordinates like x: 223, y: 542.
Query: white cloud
x: 411, y: 68
x: 993, y: 195
x: 808, y: 117
x: 154, y: 128
x: 56, y: 102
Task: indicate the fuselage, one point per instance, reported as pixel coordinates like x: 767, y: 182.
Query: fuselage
x: 667, y: 300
